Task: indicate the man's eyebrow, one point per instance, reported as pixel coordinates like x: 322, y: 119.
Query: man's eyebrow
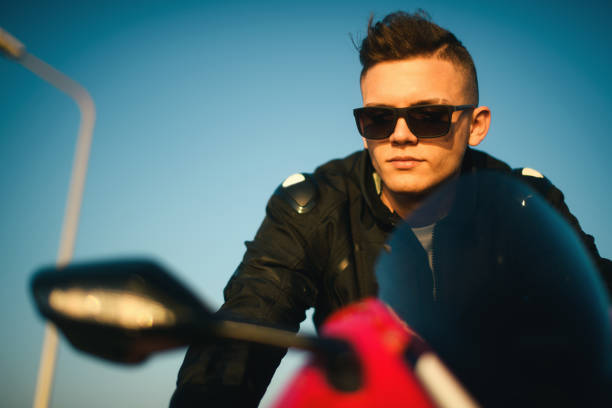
x: 382, y: 105
x: 438, y: 101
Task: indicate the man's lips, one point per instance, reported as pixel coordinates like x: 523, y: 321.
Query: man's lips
x: 404, y: 162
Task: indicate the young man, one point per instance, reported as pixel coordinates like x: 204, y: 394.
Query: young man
x: 323, y: 231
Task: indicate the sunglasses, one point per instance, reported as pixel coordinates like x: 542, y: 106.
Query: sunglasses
x: 424, y: 121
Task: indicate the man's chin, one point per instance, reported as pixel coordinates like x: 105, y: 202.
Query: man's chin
x: 409, y: 189
x: 416, y: 190
x: 416, y: 184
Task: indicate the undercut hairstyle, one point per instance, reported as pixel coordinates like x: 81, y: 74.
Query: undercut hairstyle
x: 403, y: 35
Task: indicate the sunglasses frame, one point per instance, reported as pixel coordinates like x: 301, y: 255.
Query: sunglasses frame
x: 403, y: 113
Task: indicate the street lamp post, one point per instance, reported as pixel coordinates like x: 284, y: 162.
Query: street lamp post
x: 13, y: 49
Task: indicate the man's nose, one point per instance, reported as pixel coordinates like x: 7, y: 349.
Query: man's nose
x: 402, y: 134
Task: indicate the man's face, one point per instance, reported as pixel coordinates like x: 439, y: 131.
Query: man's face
x: 407, y: 164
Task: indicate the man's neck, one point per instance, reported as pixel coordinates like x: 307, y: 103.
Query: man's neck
x: 402, y: 204
x: 419, y: 209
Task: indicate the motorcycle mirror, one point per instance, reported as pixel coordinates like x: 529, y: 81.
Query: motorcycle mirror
x: 126, y: 310
x: 120, y: 310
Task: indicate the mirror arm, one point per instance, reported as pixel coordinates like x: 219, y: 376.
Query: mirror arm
x: 279, y: 338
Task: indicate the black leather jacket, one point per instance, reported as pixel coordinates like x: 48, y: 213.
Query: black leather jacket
x: 315, y: 248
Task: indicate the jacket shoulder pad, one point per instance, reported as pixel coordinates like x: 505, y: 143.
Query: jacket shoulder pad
x: 536, y: 180
x: 300, y: 191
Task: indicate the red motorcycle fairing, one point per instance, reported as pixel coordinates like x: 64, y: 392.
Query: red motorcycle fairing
x: 381, y: 341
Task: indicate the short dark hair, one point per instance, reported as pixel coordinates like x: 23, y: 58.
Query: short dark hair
x: 402, y: 35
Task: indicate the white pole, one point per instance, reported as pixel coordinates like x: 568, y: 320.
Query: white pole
x: 15, y: 50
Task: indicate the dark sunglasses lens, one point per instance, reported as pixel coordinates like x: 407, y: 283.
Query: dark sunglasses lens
x: 429, y: 121
x: 375, y: 123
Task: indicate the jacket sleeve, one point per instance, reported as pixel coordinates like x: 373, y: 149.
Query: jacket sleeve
x: 273, y: 285
x: 555, y: 197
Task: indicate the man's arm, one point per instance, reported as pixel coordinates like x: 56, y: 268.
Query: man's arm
x: 273, y: 285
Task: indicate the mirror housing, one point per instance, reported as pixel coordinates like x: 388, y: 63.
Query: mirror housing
x: 120, y: 310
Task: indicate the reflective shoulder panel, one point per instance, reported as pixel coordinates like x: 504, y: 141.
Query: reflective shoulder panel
x: 293, y: 179
x: 299, y: 190
x: 526, y: 171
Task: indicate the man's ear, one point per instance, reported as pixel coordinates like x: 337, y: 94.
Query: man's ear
x: 365, y: 142
x: 481, y: 119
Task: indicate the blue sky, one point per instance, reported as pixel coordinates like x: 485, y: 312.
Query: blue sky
x: 205, y: 107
